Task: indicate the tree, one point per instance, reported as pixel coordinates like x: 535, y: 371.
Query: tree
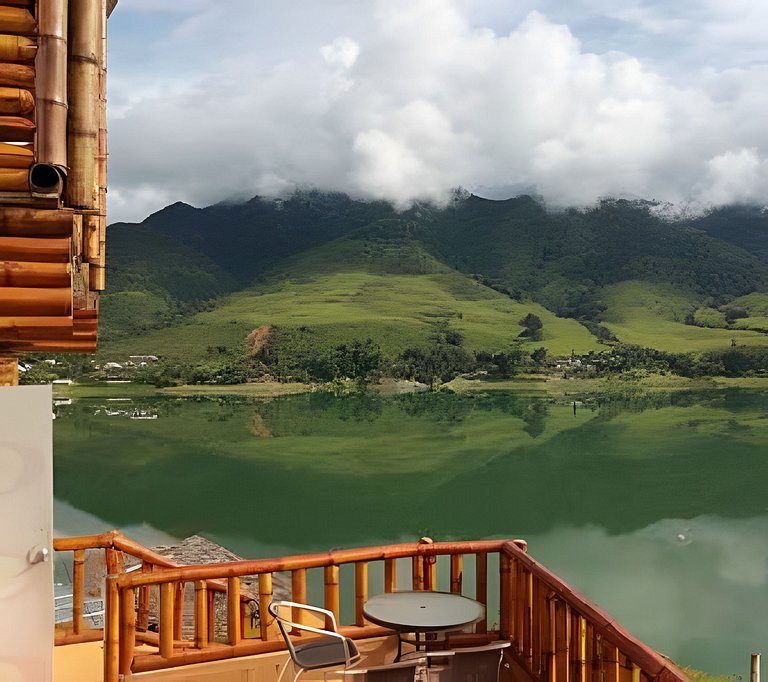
x: 539, y: 356
x: 532, y: 326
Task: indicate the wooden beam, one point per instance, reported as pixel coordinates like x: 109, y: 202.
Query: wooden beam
x: 9, y: 370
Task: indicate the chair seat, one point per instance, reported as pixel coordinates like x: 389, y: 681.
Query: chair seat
x: 324, y: 652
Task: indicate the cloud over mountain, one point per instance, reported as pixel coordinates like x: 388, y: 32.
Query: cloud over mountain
x: 405, y: 99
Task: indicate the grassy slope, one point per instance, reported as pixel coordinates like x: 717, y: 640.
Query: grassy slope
x: 361, y: 286
x: 652, y: 315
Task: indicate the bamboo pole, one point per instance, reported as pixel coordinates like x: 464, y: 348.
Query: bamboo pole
x: 457, y: 561
x: 417, y: 572
x: 26, y: 274
x: 201, y: 614
x: 331, y: 591
x: 17, y: 129
x: 142, y: 620
x: 19, y: 301
x: 91, y: 244
x: 83, y: 88
x: 298, y: 594
x: 17, y: 48
x: 505, y: 570
x: 17, y: 21
x: 481, y: 587
x: 582, y: 648
x: 390, y: 575
x: 361, y: 591
x: 111, y: 630
x: 16, y: 102
x: 14, y: 180
x: 127, y: 629
x: 35, y: 249
x: 30, y: 222
x: 15, y: 156
x: 165, y: 629
x: 265, y: 597
x: 17, y: 76
x: 9, y: 370
x: 46, y: 346
x: 563, y: 641
x: 754, y: 668
x: 51, y: 80
x: 78, y: 590
x: 233, y: 610
x: 178, y: 610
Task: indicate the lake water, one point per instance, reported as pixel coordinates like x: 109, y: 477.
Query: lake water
x: 655, y: 507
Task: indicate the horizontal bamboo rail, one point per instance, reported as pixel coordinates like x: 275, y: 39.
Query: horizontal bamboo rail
x: 35, y: 249
x: 17, y: 20
x: 554, y: 631
x: 15, y: 156
x: 20, y: 222
x: 17, y: 76
x: 26, y: 274
x: 17, y: 48
x: 16, y: 129
x: 35, y: 301
x: 16, y: 101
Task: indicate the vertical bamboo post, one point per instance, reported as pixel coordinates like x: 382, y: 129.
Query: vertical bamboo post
x: 390, y: 575
x: 178, y: 610
x: 563, y: 641
x: 636, y: 673
x: 754, y: 668
x: 9, y: 370
x: 505, y: 570
x: 551, y: 641
x: 299, y: 593
x: 83, y: 90
x: 582, y: 648
x: 539, y: 616
x: 111, y: 630
x: 114, y: 560
x: 142, y: 620
x: 417, y: 572
x: 165, y: 628
x: 127, y: 629
x: 331, y: 591
x: 233, y: 610
x: 265, y: 598
x: 211, y: 616
x: 78, y: 590
x: 481, y: 588
x: 457, y: 561
x: 361, y: 590
x: 51, y: 83
x: 611, y: 662
x: 528, y: 616
x: 201, y: 614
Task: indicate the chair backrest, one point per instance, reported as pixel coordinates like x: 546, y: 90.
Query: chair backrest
x: 287, y: 625
x: 477, y: 664
x: 404, y: 671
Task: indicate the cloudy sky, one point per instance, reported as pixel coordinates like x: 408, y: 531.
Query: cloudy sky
x: 404, y: 99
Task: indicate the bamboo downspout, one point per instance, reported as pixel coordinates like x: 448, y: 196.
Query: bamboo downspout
x: 51, y: 81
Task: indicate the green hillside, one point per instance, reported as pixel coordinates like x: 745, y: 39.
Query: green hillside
x: 319, y: 270
x: 378, y: 283
x: 652, y: 315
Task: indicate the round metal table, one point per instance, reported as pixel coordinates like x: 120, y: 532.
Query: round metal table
x: 422, y: 611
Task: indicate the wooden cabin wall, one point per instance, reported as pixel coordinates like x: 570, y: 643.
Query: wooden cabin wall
x: 53, y: 154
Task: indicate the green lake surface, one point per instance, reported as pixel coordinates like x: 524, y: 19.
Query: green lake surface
x: 654, y: 507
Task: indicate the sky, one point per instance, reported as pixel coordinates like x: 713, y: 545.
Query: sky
x: 404, y: 100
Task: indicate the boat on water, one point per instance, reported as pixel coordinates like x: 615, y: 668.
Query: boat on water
x: 166, y: 621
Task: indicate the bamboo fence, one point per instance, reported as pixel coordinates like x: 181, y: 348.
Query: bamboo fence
x: 53, y: 154
x: 555, y: 633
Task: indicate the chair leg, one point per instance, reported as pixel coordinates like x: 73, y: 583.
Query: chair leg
x: 283, y: 669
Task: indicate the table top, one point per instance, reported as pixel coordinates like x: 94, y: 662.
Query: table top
x: 422, y: 611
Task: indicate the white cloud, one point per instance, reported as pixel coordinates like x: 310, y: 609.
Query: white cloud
x: 404, y: 99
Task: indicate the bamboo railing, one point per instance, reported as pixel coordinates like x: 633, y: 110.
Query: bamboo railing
x: 556, y: 634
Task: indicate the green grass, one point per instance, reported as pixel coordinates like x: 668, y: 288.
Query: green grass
x: 357, y: 288
x: 652, y: 315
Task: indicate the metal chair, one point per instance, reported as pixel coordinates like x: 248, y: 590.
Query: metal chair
x: 330, y: 649
x: 404, y: 671
x: 469, y: 664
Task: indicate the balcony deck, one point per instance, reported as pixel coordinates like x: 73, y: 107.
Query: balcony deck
x: 555, y: 634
